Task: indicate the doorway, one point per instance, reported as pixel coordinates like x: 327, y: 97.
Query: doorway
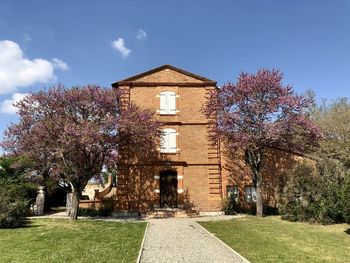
x: 168, y: 189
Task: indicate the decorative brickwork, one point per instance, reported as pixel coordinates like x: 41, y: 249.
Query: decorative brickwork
x: 203, y: 173
x: 196, y: 160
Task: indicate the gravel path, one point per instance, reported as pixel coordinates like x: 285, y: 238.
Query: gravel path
x: 183, y: 240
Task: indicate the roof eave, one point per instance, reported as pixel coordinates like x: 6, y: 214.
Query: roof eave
x: 132, y: 79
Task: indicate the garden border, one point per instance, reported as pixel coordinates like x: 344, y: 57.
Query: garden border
x: 138, y: 260
x: 222, y: 242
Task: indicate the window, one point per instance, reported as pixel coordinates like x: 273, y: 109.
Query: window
x: 250, y: 193
x: 167, y: 102
x: 168, y: 141
x: 232, y: 192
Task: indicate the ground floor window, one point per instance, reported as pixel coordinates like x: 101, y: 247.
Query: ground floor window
x: 232, y: 192
x: 250, y: 193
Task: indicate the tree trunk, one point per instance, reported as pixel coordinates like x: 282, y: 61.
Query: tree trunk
x: 254, y: 160
x: 259, y: 198
x: 75, y: 205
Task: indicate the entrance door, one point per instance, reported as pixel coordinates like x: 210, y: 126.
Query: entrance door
x: 168, y: 189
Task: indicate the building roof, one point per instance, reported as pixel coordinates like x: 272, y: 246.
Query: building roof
x: 199, y: 80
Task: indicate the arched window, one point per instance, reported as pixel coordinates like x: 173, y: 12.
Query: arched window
x: 168, y: 141
x: 167, y: 102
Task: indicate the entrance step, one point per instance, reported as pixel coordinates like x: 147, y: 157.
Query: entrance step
x: 168, y: 213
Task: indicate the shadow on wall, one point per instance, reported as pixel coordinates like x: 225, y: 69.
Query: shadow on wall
x: 137, y: 171
x: 276, y: 164
x: 135, y: 189
x: 138, y: 192
x: 185, y: 201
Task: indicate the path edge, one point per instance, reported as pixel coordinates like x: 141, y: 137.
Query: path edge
x: 223, y: 243
x: 138, y: 260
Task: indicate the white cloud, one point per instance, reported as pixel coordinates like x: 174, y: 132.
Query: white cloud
x: 60, y: 64
x: 120, y: 46
x: 7, y: 105
x: 141, y: 34
x: 18, y: 71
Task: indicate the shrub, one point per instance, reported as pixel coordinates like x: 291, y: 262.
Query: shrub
x: 230, y: 206
x: 331, y: 206
x: 13, y: 207
x: 16, y: 192
x: 346, y: 200
x: 298, y: 196
x: 104, y: 212
x: 314, y: 193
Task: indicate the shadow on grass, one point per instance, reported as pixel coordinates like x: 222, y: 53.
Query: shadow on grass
x: 27, y: 223
x: 21, y: 227
x: 347, y: 231
x: 23, y: 223
x: 29, y: 226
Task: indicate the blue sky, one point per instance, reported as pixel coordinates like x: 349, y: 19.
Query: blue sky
x: 76, y: 42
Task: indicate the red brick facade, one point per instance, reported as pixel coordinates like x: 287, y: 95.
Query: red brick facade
x: 199, y: 170
x: 196, y: 162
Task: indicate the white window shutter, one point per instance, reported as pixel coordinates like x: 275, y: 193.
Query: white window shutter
x: 167, y: 102
x: 163, y: 103
x: 172, y: 141
x: 168, y: 141
x: 164, y: 141
x: 172, y: 102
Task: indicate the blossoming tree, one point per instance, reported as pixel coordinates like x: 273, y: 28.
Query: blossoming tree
x: 71, y: 134
x: 258, y: 113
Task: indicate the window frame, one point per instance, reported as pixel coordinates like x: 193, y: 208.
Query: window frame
x: 168, y: 133
x: 170, y: 98
x: 250, y: 196
x: 233, y: 191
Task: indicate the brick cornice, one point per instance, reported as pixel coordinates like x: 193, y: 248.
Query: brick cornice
x: 182, y: 123
x: 171, y: 84
x: 173, y: 163
x: 134, y: 78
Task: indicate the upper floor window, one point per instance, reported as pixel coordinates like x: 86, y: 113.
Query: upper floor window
x: 168, y: 141
x: 167, y: 102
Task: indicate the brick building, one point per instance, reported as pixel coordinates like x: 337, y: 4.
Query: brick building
x: 192, y: 173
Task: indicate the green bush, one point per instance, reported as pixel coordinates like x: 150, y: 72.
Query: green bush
x: 298, y: 198
x: 346, y: 200
x: 13, y: 206
x: 89, y: 212
x: 16, y: 192
x: 315, y: 193
x: 331, y: 204
x: 230, y: 206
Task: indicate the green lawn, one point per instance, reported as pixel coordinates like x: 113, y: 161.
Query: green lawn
x: 61, y: 240
x: 271, y: 239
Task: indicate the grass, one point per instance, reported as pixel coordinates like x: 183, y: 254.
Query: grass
x: 61, y: 240
x: 271, y: 239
